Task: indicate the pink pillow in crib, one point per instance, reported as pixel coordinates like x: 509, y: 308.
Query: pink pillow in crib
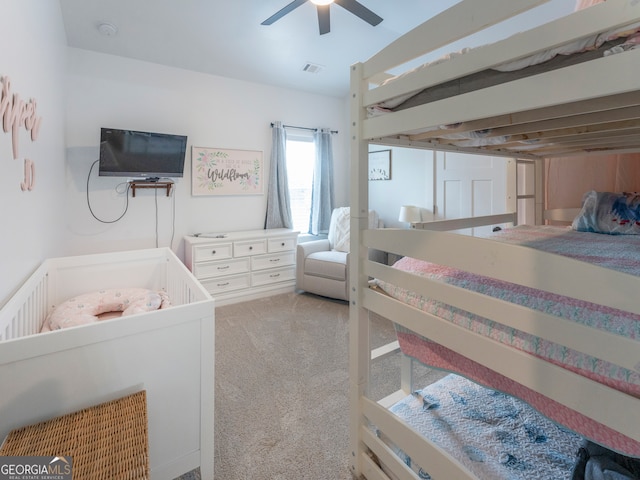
x: 86, y: 308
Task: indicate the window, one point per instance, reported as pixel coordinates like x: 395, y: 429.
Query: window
x: 300, y: 165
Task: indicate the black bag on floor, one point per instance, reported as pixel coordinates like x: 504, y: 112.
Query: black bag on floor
x: 598, y: 463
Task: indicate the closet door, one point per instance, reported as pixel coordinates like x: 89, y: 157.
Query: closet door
x: 470, y: 186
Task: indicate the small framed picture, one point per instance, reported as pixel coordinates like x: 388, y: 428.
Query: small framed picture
x: 380, y: 165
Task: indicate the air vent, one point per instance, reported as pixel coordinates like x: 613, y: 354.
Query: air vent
x: 312, y: 68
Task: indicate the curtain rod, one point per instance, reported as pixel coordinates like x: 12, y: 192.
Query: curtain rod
x: 302, y: 128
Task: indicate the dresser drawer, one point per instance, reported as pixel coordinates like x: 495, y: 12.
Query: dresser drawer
x: 281, y: 244
x: 249, y: 247
x: 275, y: 275
x: 218, y: 269
x: 218, y: 251
x: 226, y: 284
x: 274, y: 260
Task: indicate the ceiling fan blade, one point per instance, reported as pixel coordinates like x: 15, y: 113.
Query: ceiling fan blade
x: 282, y: 12
x: 324, y: 22
x: 360, y: 10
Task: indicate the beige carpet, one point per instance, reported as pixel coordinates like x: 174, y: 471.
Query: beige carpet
x: 281, y: 399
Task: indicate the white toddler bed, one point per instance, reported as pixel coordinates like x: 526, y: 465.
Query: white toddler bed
x: 167, y: 352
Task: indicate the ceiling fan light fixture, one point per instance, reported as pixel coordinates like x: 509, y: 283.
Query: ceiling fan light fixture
x: 322, y: 6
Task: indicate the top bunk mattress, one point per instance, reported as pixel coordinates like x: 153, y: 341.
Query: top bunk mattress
x: 606, y: 43
x: 544, y: 62
x: 573, y: 95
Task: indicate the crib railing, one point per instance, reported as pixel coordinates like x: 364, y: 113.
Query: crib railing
x: 26, y: 310
x: 182, y: 289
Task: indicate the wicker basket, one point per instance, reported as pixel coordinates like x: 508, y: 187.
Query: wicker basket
x: 108, y: 441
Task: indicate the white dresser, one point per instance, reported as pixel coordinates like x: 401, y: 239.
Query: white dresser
x: 238, y: 266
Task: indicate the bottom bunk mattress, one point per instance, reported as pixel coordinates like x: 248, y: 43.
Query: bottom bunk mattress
x: 492, y: 434
x: 619, y: 252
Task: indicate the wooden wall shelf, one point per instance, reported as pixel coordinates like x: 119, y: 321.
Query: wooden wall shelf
x: 148, y: 184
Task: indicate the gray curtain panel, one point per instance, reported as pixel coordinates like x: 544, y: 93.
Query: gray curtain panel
x: 278, y: 203
x: 322, y: 192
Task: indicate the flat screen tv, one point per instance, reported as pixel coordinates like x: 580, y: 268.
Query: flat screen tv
x: 129, y: 153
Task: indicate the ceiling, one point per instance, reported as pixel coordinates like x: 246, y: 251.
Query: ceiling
x: 225, y: 37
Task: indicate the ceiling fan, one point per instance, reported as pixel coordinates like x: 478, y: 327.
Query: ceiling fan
x: 322, y: 6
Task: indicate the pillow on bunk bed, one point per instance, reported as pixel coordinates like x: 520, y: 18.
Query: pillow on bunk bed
x: 87, y: 308
x: 608, y: 212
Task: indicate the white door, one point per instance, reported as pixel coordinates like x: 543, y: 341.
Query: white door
x: 470, y: 186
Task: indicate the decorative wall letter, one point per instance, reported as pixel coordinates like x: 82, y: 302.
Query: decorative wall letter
x: 15, y: 113
x: 29, y: 175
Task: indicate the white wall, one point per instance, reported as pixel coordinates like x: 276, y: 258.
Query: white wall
x: 108, y: 91
x: 33, y: 56
x: 411, y: 184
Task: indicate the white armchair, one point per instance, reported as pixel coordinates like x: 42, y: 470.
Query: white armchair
x: 323, y: 265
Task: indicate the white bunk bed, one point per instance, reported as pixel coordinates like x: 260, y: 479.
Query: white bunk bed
x: 169, y: 353
x: 568, y: 110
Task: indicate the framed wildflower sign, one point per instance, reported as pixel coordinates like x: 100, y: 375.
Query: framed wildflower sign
x: 217, y: 171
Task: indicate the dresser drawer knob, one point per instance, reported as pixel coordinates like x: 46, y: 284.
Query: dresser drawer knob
x: 250, y: 247
x: 274, y: 275
x: 282, y: 244
x: 213, y: 252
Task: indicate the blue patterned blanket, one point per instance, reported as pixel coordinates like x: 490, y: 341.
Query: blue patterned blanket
x: 493, y: 434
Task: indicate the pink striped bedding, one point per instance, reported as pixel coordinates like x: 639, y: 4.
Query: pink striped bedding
x: 619, y: 252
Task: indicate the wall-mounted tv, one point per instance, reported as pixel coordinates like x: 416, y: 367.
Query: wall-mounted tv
x: 129, y: 153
